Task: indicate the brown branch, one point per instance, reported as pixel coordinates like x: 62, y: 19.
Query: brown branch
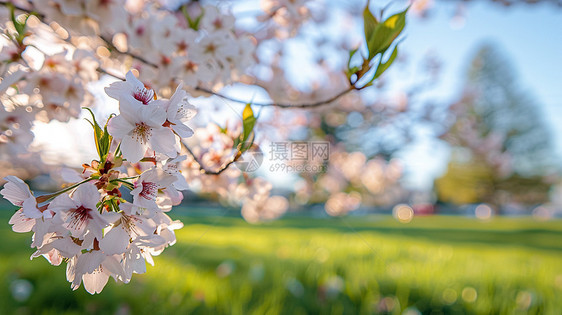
x: 102, y: 70
x: 134, y: 56
x: 280, y: 105
x: 203, y: 168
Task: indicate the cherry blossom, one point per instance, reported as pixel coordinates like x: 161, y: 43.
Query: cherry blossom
x: 79, y: 214
x: 140, y: 128
x: 147, y: 186
x: 17, y: 192
x: 179, y: 111
x: 130, y: 87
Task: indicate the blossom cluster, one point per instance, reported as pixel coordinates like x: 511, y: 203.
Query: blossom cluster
x: 90, y: 224
x: 49, y: 58
x: 195, y: 44
x: 214, y: 149
x: 352, y: 180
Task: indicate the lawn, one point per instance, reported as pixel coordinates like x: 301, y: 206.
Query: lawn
x: 299, y: 265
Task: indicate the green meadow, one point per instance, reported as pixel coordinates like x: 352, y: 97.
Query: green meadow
x: 302, y: 265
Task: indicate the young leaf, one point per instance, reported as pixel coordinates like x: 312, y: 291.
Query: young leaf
x: 370, y: 24
x: 248, y: 123
x: 383, y: 66
x: 105, y: 142
x: 98, y: 133
x: 385, y: 33
x: 351, y: 70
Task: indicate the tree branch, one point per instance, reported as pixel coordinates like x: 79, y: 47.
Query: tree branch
x: 203, y: 168
x: 280, y: 105
x: 134, y: 56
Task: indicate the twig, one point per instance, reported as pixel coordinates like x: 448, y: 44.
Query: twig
x: 102, y: 70
x: 203, y: 168
x: 280, y: 105
x: 134, y: 56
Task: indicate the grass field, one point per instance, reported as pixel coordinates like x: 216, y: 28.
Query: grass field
x: 374, y: 264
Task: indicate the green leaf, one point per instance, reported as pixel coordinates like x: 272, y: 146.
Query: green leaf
x: 193, y: 24
x: 105, y: 141
x: 98, y: 134
x: 383, y: 66
x: 370, y: 24
x: 18, y: 25
x: 223, y: 130
x: 248, y: 123
x: 385, y: 33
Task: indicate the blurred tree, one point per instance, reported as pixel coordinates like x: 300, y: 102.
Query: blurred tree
x: 501, y: 149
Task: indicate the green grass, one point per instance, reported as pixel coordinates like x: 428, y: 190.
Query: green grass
x: 374, y: 264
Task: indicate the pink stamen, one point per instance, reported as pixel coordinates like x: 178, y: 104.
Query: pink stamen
x: 144, y: 95
x: 79, y: 217
x: 149, y: 190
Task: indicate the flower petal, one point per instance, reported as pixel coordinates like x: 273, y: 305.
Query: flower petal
x: 119, y: 127
x: 62, y: 203
x: 163, y: 140
x: 132, y: 150
x: 87, y: 195
x: 15, y: 190
x: 21, y: 224
x: 115, y: 241
x: 182, y: 130
x: 95, y: 282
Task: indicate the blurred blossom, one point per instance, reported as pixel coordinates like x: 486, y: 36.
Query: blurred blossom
x: 420, y: 7
x: 483, y: 212
x: 403, y: 213
x: 352, y: 165
x: 267, y: 209
x: 287, y: 14
x: 342, y: 203
x: 369, y: 182
x: 543, y: 212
